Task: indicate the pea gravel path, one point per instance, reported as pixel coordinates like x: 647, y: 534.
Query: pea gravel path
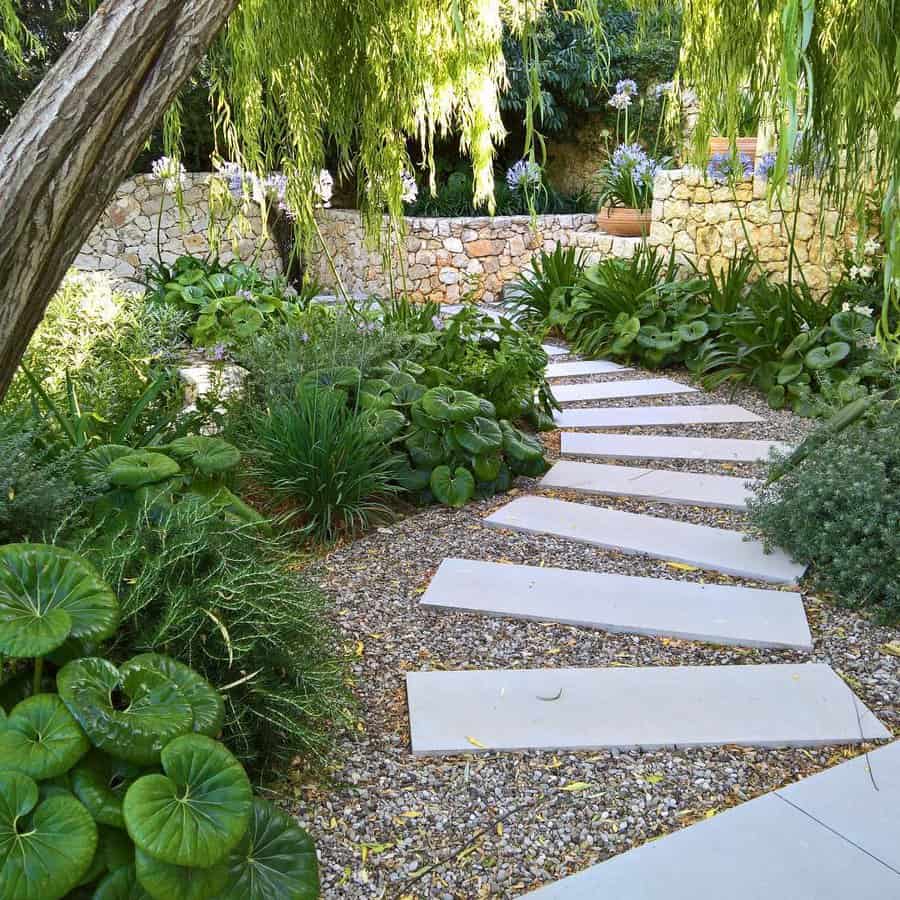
x: 497, y: 825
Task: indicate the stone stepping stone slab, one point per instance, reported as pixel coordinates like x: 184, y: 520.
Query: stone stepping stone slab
x: 723, y: 491
x: 615, y: 390
x: 860, y: 800
x: 697, y: 545
x: 627, y: 417
x: 584, y: 367
x: 647, y: 708
x: 554, y: 350
x: 652, y: 446
x: 719, y: 614
x: 766, y: 848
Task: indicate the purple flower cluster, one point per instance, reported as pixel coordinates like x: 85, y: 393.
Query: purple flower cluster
x: 723, y: 167
x: 634, y: 160
x: 627, y: 86
x: 766, y: 165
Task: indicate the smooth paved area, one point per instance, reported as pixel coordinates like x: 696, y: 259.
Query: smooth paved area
x: 640, y: 416
x: 654, y: 446
x: 617, y: 390
x: 583, y: 367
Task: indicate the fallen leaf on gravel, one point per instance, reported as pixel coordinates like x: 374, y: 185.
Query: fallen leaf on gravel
x: 499, y: 829
x: 574, y: 786
x: 475, y: 742
x: 684, y: 567
x: 892, y: 647
x: 411, y: 814
x: 710, y: 813
x: 654, y: 779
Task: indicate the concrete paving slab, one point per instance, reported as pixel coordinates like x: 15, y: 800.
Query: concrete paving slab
x: 788, y: 705
x: 697, y: 545
x: 616, y: 390
x: 719, y: 614
x: 652, y: 446
x: 639, y: 416
x: 690, y: 488
x: 555, y: 350
x: 584, y: 367
x: 860, y: 800
x: 761, y: 850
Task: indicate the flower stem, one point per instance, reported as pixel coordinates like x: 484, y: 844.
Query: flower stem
x: 38, y: 673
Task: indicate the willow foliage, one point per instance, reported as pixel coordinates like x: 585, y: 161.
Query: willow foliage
x: 827, y: 74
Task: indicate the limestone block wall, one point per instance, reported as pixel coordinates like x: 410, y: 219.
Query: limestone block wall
x: 125, y: 239
x: 702, y: 221
x: 447, y: 258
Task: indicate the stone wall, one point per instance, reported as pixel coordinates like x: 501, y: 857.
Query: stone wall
x: 125, y: 239
x: 702, y: 222
x: 447, y: 258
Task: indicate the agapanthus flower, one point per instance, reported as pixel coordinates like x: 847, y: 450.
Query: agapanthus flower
x: 627, y: 155
x: 234, y: 175
x: 524, y: 174
x: 244, y: 294
x: 438, y: 323
x: 410, y: 190
x: 304, y: 337
x: 723, y: 167
x: 871, y: 247
x: 275, y: 186
x: 620, y: 101
x: 323, y: 188
x: 170, y: 172
x: 665, y: 87
x: 766, y: 165
x: 626, y: 86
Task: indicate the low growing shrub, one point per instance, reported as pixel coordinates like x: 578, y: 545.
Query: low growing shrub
x: 839, y: 511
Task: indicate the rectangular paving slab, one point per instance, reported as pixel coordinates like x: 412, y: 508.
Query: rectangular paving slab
x: 760, y: 850
x: 788, y: 705
x: 583, y: 367
x: 717, y: 613
x: 554, y: 350
x: 698, y: 545
x: 860, y: 800
x: 615, y: 390
x: 668, y: 486
x: 653, y: 446
x: 625, y: 417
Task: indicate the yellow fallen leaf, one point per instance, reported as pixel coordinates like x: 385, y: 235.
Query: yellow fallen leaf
x: 499, y: 829
x: 360, y: 648
x: 475, y: 742
x: 710, y: 813
x: 892, y: 647
x: 655, y: 778
x: 684, y: 567
x: 574, y: 786
x: 411, y: 814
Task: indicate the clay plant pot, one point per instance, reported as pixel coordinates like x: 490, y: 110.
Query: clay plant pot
x: 746, y: 145
x: 625, y: 221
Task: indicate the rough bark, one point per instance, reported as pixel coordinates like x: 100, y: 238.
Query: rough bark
x: 75, y: 139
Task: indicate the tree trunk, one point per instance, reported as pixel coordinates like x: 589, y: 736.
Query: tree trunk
x: 75, y: 139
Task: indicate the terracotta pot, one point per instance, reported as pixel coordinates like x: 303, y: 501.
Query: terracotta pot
x: 624, y: 221
x: 723, y: 145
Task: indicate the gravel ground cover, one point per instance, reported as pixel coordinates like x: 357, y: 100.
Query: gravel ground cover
x: 497, y: 825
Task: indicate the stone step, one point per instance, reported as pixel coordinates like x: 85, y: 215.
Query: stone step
x: 697, y: 545
x: 616, y: 390
x: 664, y: 485
x: 838, y: 841
x: 639, y: 416
x: 653, y: 446
x: 583, y: 367
x: 555, y: 350
x: 788, y: 705
x: 716, y: 613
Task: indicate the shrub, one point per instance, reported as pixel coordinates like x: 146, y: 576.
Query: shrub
x: 839, y: 510
x: 222, y: 598
x: 322, y: 459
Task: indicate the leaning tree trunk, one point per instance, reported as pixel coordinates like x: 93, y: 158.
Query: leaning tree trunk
x: 75, y: 139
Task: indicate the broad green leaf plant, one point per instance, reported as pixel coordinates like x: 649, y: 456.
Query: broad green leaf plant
x: 114, y: 783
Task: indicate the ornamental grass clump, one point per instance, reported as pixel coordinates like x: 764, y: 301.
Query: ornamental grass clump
x: 838, y: 509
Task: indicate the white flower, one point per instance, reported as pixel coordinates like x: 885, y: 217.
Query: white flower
x: 854, y: 272
x: 863, y: 311
x: 323, y: 188
x: 871, y: 247
x: 665, y: 87
x: 410, y: 188
x: 866, y: 272
x: 620, y: 101
x: 169, y: 171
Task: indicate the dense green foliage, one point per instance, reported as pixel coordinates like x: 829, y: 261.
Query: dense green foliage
x: 115, y: 776
x: 838, y: 510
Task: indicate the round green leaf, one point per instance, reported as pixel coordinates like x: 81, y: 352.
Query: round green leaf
x: 693, y: 331
x: 653, y: 339
x: 376, y: 393
x: 41, y: 738
x: 447, y: 405
x: 131, y: 717
x: 848, y: 324
x: 340, y: 377
x: 46, y: 846
x: 95, y: 463
x: 99, y: 781
x: 275, y: 860
x: 385, y: 423
x: 478, y: 436
x: 48, y: 595
x: 486, y: 468
x: 486, y: 408
x: 519, y: 446
x: 789, y: 371
x: 777, y: 396
x: 209, y: 455
x: 118, y: 851
x: 452, y: 488
x: 121, y: 884
x: 425, y: 448
x: 206, y: 702
x: 140, y: 468
x: 408, y: 393
x: 407, y: 477
x: 163, y: 881
x: 245, y: 319
x: 826, y: 357
x: 195, y: 813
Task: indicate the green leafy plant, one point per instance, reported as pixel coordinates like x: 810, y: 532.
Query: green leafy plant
x: 116, y: 782
x: 836, y: 507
